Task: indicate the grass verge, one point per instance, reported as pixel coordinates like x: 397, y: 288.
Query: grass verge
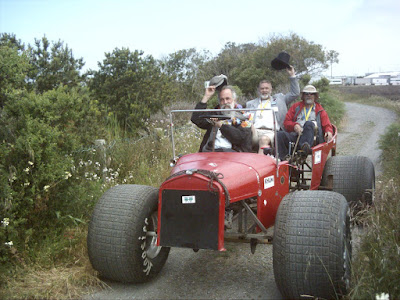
x: 376, y: 266
x: 64, y: 273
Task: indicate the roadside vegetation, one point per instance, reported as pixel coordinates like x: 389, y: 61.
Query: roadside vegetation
x: 376, y: 268
x: 67, y: 136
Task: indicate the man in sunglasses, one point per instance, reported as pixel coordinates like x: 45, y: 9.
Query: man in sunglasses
x: 304, y: 119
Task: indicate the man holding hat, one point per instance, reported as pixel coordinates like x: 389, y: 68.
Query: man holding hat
x: 263, y: 128
x: 223, y: 135
x: 301, y: 120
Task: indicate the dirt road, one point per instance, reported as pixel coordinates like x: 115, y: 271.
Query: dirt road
x: 236, y: 273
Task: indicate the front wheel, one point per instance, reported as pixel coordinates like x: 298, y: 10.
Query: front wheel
x: 311, y: 245
x: 122, y: 235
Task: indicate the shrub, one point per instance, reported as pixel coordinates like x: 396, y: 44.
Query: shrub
x: 333, y: 107
x: 39, y: 134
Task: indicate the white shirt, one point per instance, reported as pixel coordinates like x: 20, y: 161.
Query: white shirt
x: 264, y: 118
x: 221, y: 141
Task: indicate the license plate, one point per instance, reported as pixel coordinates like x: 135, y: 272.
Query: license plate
x: 188, y: 199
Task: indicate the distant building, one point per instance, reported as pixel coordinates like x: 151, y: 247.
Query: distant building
x: 394, y: 81
x: 335, y: 81
x: 381, y: 78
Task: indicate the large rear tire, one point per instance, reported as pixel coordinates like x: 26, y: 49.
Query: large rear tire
x: 122, y: 235
x: 351, y: 176
x: 311, y: 245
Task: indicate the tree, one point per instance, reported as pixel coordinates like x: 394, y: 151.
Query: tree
x: 131, y: 86
x: 247, y: 64
x: 185, y: 68
x: 10, y: 40
x: 305, y: 56
x: 332, y: 57
x: 53, y: 65
x: 14, y: 68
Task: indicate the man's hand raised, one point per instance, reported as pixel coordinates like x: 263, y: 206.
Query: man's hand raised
x: 209, y: 92
x: 291, y: 71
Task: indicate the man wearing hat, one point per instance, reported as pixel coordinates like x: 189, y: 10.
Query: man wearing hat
x: 302, y: 119
x: 263, y: 128
x: 222, y: 135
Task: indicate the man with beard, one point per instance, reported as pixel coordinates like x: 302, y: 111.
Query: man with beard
x: 263, y: 126
x: 304, y: 118
x: 223, y: 135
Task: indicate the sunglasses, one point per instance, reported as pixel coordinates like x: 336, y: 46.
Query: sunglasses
x: 308, y: 94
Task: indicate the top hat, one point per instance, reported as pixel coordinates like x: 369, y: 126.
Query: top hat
x: 281, y: 61
x: 219, y: 81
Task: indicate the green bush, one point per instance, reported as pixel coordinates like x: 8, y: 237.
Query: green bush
x: 39, y: 134
x: 333, y: 107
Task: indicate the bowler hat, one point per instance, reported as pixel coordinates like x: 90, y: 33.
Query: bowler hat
x: 281, y: 61
x: 219, y: 81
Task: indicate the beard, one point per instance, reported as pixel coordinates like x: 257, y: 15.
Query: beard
x: 229, y: 106
x: 264, y: 97
x: 309, y: 101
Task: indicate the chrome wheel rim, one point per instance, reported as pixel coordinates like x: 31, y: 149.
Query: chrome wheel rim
x: 152, y: 250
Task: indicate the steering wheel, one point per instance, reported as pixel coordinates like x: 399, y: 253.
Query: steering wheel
x: 219, y: 117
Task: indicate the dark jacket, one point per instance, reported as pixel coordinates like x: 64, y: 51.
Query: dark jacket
x: 240, y: 137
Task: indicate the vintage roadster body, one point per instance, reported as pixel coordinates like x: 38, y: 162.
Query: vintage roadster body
x: 213, y: 198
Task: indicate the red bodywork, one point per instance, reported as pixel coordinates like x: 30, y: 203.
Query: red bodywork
x: 319, y: 156
x: 244, y: 175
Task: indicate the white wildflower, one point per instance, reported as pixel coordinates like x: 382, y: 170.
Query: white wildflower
x: 30, y: 163
x: 26, y: 170
x: 9, y: 244
x: 5, y: 222
x: 27, y: 184
x: 67, y: 175
x: 382, y: 296
x: 46, y: 187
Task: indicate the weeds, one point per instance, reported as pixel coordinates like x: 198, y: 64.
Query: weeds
x: 61, y: 273
x: 376, y: 268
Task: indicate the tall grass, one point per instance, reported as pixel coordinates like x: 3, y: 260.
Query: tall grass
x: 376, y: 268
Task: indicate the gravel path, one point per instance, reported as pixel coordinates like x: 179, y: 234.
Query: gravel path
x: 363, y: 126
x: 236, y: 273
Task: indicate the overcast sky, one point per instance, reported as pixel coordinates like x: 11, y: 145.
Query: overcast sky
x: 366, y: 33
